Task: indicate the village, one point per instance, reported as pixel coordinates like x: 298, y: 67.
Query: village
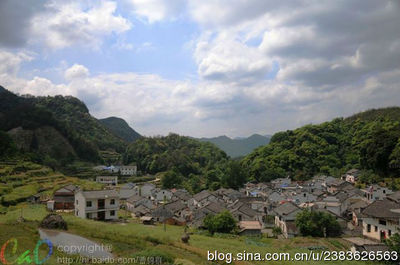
x: 366, y: 216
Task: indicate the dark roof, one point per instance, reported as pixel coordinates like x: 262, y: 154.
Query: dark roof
x: 214, y: 207
x: 286, y: 208
x: 67, y: 189
x: 383, y: 209
x: 394, y: 196
x: 243, y: 208
x: 202, y: 195
x: 95, y: 194
x: 182, y: 195
x: 134, y: 198
x: 162, y: 212
x: 126, y: 193
x: 175, y: 206
x: 353, y: 171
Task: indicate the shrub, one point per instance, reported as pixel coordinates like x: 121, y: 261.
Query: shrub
x: 222, y: 223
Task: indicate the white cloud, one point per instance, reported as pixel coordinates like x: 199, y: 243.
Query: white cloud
x: 229, y: 59
x: 157, y: 10
x: 68, y: 23
x: 76, y: 71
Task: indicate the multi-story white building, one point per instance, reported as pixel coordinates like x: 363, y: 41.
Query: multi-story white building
x: 128, y: 170
x: 381, y: 219
x: 97, y: 204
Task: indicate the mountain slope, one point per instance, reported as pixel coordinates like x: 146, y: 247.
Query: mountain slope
x: 120, y: 128
x: 56, y: 128
x: 239, y: 146
x: 369, y: 141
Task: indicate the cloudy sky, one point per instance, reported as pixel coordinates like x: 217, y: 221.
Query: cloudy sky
x: 209, y: 67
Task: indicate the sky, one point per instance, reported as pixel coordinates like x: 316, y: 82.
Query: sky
x: 206, y: 68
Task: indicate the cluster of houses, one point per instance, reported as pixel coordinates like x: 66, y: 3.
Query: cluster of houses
x: 373, y: 212
x: 121, y: 170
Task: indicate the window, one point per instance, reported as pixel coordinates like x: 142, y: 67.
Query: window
x: 89, y: 204
x: 368, y: 228
x: 112, y: 213
x: 384, y: 191
x: 76, y: 202
x: 382, y: 222
x: 88, y: 215
x: 376, y: 229
x: 390, y: 232
x: 77, y: 212
x: 112, y: 201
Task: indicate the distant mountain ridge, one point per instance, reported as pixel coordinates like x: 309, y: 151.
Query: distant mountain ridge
x: 120, y: 128
x: 238, y: 147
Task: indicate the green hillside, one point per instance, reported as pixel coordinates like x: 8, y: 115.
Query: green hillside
x: 238, y: 147
x: 186, y: 162
x: 368, y: 141
x: 55, y: 130
x: 120, y: 128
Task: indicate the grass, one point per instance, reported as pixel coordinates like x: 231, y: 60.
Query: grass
x: 134, y: 239
x: 21, y: 180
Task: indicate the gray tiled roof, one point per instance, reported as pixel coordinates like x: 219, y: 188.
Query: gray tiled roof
x: 99, y: 194
x: 383, y: 209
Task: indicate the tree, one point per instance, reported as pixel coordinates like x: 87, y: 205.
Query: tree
x: 221, y: 223
x: 171, y: 179
x: 234, y: 176
x: 394, y: 243
x: 317, y: 224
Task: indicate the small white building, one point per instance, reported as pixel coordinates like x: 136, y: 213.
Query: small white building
x: 108, y: 180
x: 352, y: 175
x: 128, y: 170
x: 97, y: 204
x: 381, y: 219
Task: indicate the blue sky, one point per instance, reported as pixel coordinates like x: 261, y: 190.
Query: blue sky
x: 206, y: 68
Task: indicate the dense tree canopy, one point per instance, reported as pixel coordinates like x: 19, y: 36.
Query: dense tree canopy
x: 366, y: 141
x: 221, y: 223
x: 317, y: 224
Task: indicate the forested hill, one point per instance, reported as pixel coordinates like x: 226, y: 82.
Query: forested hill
x: 369, y: 141
x: 55, y: 128
x: 238, y: 147
x: 120, y: 128
x: 186, y: 162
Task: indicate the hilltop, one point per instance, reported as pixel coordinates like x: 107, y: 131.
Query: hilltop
x: 120, y: 128
x: 55, y: 130
x: 238, y: 147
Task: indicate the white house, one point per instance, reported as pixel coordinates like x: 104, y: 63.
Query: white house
x: 108, y: 180
x: 97, y: 204
x: 352, y: 175
x: 128, y: 170
x: 381, y: 219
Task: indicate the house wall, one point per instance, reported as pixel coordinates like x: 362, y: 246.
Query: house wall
x: 376, y: 234
x: 282, y: 225
x: 80, y: 205
x: 81, y: 209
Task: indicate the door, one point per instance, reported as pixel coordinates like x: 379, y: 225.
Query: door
x: 101, y: 215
